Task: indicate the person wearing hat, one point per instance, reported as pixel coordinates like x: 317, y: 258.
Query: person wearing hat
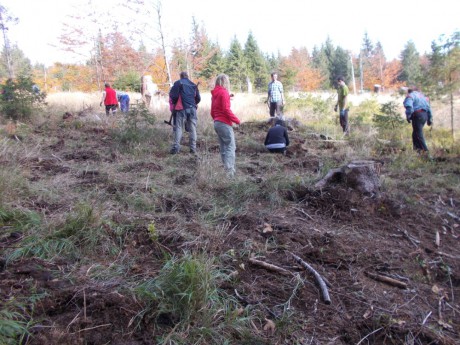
x: 277, y: 139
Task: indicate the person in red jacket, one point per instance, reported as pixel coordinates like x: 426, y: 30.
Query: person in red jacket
x: 109, y: 98
x: 223, y: 118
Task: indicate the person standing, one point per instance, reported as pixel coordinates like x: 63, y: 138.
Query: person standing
x: 189, y: 95
x: 418, y: 112
x: 223, y: 119
x: 277, y: 139
x: 342, y: 104
x: 109, y: 98
x: 123, y: 99
x: 275, y: 98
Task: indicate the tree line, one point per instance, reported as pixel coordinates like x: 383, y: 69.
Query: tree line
x: 112, y: 57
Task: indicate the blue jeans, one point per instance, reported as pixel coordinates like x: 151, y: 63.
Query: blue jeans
x: 185, y: 117
x: 344, y: 121
x: 418, y: 140
x: 227, y: 145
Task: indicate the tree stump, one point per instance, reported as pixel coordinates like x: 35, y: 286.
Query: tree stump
x: 363, y: 176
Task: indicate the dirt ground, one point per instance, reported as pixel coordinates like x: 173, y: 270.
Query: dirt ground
x: 388, y: 280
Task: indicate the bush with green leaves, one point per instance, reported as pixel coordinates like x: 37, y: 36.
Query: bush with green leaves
x: 317, y: 104
x: 129, y: 81
x: 389, y: 117
x: 364, y: 112
x: 20, y: 98
x: 137, y: 125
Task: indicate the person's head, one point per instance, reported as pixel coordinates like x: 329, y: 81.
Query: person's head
x: 412, y: 89
x: 107, y: 85
x: 341, y: 80
x: 183, y: 75
x: 279, y: 122
x: 274, y: 76
x: 223, y: 80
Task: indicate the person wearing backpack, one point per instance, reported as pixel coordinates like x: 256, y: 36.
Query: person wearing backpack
x: 275, y: 98
x: 185, y: 96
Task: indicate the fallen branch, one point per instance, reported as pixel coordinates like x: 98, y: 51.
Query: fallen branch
x: 388, y: 280
x: 269, y: 267
x: 319, y: 279
x: 455, y: 257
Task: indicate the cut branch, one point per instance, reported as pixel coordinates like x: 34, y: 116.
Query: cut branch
x: 387, y: 280
x: 319, y: 279
x: 269, y: 267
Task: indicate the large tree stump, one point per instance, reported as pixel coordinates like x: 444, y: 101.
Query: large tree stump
x: 362, y: 176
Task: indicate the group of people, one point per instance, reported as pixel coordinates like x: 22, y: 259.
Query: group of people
x: 113, y: 99
x: 184, y: 98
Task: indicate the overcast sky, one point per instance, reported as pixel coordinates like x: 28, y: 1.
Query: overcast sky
x: 277, y: 26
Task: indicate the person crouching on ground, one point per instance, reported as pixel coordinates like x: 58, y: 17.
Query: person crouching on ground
x: 123, y: 99
x: 277, y: 139
x: 109, y: 98
x: 223, y: 118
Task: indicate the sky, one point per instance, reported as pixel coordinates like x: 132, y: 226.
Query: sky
x: 277, y: 26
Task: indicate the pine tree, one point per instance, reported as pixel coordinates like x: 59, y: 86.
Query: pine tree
x: 236, y: 66
x: 257, y: 67
x: 411, y: 67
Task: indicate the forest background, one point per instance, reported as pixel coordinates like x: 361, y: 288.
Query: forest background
x: 114, y: 53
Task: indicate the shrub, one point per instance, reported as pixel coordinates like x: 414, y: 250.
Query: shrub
x: 19, y: 98
x: 391, y: 119
x: 135, y: 129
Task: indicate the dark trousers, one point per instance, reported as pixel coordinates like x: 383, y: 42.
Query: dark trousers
x: 418, y: 140
x: 280, y: 150
x: 344, y: 121
x: 275, y: 107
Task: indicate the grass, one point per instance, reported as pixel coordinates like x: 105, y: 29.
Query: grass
x: 175, y: 212
x: 186, y: 296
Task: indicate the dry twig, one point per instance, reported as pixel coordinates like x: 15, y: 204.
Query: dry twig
x: 269, y: 267
x: 319, y: 279
x: 388, y: 280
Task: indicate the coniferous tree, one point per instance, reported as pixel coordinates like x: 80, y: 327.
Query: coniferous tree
x: 257, y: 67
x: 411, y: 67
x: 236, y: 66
x: 444, y: 72
x: 321, y: 63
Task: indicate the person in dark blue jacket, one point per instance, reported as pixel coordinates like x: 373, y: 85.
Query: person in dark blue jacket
x: 184, y: 94
x: 418, y: 111
x: 277, y: 139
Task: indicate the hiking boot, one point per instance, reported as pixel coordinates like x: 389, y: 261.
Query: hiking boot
x: 173, y: 151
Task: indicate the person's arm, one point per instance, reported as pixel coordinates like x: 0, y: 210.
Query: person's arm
x: 409, y: 105
x: 174, y: 93
x: 228, y: 111
x: 283, y: 100
x: 266, y: 138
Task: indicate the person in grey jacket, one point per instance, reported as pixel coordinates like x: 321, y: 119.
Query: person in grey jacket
x: 277, y: 139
